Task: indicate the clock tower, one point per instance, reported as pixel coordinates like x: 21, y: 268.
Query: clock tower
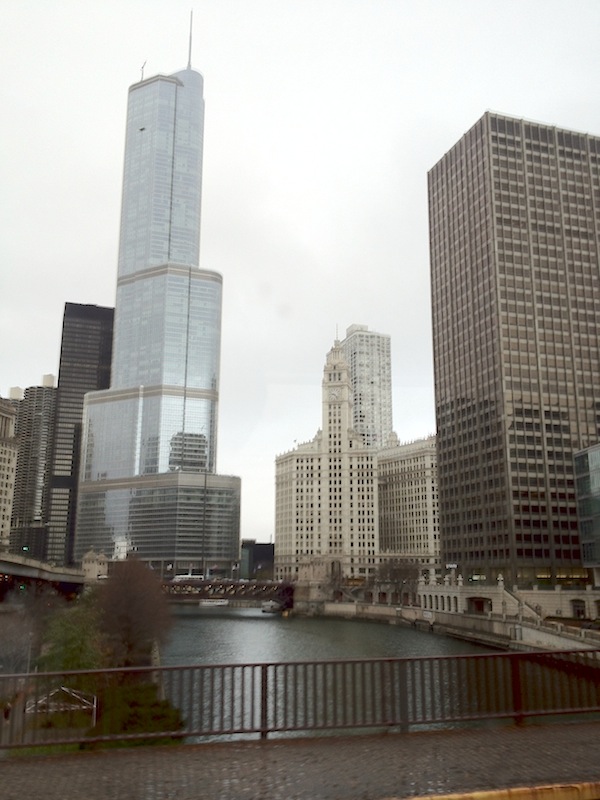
x: 337, y: 396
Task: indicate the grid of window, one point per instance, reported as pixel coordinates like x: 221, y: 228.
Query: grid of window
x: 85, y: 357
x: 514, y: 227
x: 587, y: 475
x: 408, y: 502
x: 175, y: 517
x: 34, y: 431
x: 368, y: 355
x: 8, y: 462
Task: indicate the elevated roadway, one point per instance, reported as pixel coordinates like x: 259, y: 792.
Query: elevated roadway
x: 16, y: 570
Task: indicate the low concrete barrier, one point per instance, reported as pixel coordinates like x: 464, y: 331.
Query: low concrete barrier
x: 511, y: 633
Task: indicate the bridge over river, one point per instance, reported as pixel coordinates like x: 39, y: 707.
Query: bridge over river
x: 19, y: 572
x: 191, y: 591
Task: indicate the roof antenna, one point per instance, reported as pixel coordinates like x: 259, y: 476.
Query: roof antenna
x: 189, y: 66
x: 143, y: 65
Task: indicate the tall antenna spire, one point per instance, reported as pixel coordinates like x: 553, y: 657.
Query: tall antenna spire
x: 189, y: 66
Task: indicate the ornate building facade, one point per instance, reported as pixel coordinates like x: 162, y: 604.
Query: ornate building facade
x: 326, y: 489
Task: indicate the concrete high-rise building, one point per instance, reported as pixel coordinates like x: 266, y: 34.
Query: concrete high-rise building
x: 408, y: 504
x: 150, y: 441
x: 35, y: 432
x: 8, y: 465
x: 326, y: 489
x: 514, y: 212
x: 85, y: 355
x: 369, y: 361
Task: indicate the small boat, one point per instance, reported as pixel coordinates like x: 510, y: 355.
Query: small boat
x: 271, y: 607
x: 213, y: 601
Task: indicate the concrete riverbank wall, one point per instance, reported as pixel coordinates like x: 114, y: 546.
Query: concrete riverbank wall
x: 535, y: 618
x: 506, y: 633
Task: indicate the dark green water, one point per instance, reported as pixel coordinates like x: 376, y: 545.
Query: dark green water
x: 246, y: 636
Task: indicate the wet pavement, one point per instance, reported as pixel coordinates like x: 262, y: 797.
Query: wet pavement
x: 333, y: 768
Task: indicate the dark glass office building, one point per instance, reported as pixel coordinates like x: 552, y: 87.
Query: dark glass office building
x: 514, y: 212
x: 85, y: 357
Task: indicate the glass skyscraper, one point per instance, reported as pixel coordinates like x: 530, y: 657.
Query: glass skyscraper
x: 148, y: 481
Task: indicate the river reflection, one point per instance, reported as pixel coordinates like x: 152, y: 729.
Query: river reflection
x: 246, y: 636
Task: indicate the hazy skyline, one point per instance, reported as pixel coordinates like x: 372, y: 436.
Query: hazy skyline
x: 322, y: 120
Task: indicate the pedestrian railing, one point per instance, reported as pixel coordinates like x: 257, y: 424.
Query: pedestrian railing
x: 258, y: 700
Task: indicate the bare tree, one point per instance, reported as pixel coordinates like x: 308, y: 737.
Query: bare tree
x: 133, y: 613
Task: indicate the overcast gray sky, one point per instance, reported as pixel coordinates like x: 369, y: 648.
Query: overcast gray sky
x: 322, y: 120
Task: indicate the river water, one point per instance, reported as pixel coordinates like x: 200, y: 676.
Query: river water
x: 247, y: 636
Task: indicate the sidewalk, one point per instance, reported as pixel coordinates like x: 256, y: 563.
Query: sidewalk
x: 341, y: 768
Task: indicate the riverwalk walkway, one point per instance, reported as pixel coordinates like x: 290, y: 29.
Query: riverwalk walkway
x: 365, y: 767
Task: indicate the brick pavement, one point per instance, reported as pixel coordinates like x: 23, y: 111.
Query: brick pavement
x: 341, y: 768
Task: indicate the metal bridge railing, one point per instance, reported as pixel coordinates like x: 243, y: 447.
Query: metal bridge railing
x: 257, y: 700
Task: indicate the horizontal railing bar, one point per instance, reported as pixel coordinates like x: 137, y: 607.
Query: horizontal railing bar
x: 516, y: 655
x: 238, y: 700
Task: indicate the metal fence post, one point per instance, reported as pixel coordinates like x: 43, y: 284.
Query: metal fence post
x: 517, y: 690
x: 264, y: 691
x: 403, y: 696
